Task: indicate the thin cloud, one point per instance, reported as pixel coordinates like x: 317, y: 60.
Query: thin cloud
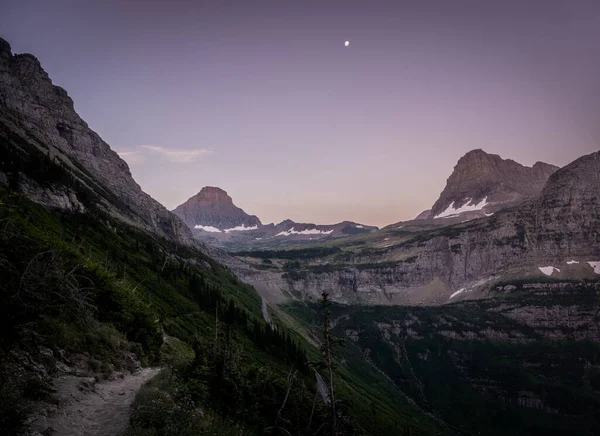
x: 177, y: 156
x: 126, y: 153
x: 131, y: 157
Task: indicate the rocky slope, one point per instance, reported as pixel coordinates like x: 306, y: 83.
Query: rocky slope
x: 214, y: 219
x: 48, y: 153
x: 39, y: 118
x: 556, y: 234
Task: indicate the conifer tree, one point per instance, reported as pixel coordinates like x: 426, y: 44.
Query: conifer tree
x: 327, y: 355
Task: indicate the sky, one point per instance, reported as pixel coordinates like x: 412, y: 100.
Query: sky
x: 263, y: 98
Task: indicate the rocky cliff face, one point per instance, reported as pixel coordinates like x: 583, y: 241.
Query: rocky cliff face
x: 511, y: 351
x: 39, y: 117
x: 560, y: 229
x: 212, y: 207
x: 483, y: 183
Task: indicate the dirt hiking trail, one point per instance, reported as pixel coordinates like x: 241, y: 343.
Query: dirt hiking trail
x: 87, y: 408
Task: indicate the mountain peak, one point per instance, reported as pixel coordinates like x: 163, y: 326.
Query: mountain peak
x: 478, y: 156
x: 481, y: 180
x: 213, y: 189
x: 213, y: 207
x: 213, y: 194
x: 475, y: 152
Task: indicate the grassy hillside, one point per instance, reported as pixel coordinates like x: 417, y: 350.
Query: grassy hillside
x: 86, y: 284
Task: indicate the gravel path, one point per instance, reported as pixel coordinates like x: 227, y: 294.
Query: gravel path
x: 87, y: 408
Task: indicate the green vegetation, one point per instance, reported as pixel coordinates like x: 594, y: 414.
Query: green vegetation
x: 477, y: 370
x: 87, y: 284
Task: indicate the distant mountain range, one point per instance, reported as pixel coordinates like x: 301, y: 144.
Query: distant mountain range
x: 554, y: 234
x: 480, y: 185
x: 214, y: 218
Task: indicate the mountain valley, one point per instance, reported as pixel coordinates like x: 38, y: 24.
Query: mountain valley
x: 480, y: 316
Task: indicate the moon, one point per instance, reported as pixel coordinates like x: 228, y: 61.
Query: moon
x: 347, y: 43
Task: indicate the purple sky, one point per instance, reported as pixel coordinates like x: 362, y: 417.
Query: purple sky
x: 262, y: 98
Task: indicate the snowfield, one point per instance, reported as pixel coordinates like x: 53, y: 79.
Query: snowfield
x: 548, y: 270
x: 451, y: 211
x: 241, y: 228
x: 210, y: 229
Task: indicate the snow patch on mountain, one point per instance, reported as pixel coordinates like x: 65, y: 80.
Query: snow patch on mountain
x: 596, y: 266
x: 210, y: 229
x: 451, y: 211
x: 241, y: 228
x: 460, y: 291
x: 548, y: 270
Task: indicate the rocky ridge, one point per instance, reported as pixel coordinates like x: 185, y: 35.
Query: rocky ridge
x: 39, y: 117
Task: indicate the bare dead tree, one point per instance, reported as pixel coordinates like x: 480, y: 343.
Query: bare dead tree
x: 290, y: 382
x: 48, y: 282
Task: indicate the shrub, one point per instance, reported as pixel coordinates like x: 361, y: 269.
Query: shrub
x: 160, y: 408
x: 13, y: 410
